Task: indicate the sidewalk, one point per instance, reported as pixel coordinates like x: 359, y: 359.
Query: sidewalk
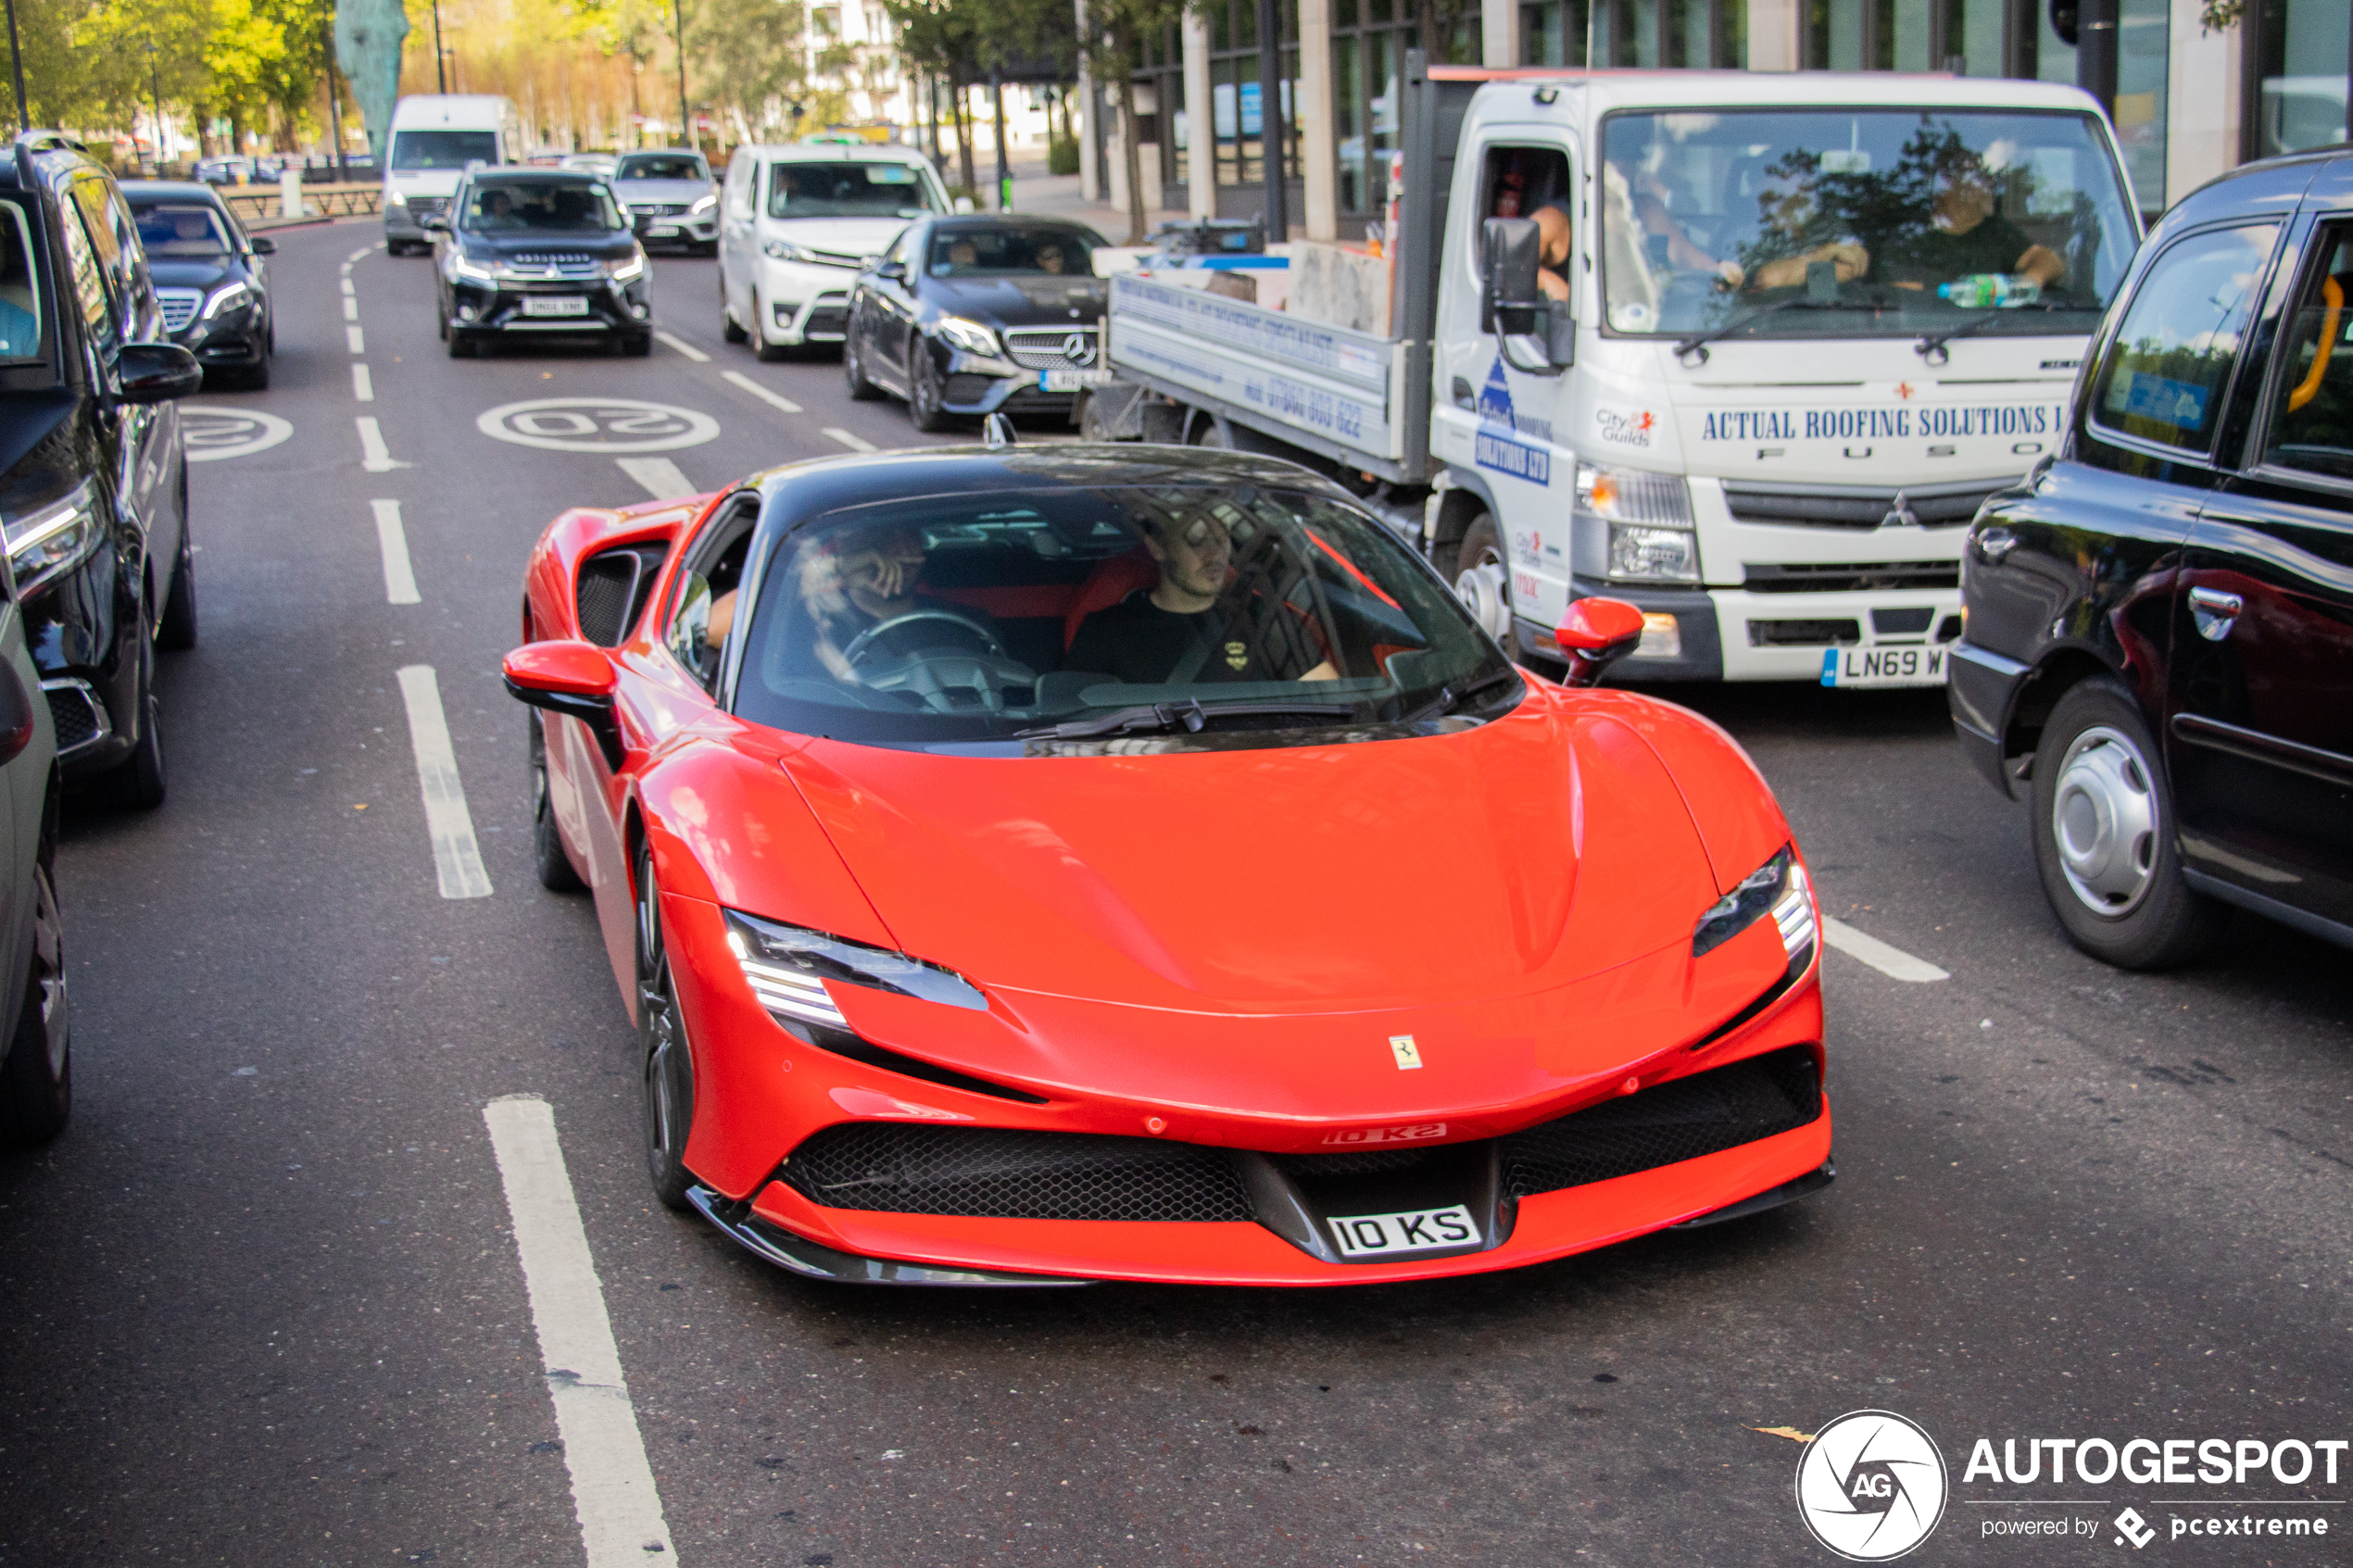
x: 1057, y: 195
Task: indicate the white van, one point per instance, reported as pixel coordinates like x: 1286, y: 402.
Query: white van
x: 797, y: 220
x: 434, y: 136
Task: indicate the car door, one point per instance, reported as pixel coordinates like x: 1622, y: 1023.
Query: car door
x: 2260, y: 737
x: 891, y: 303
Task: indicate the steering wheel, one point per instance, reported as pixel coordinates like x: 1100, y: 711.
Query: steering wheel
x: 863, y: 641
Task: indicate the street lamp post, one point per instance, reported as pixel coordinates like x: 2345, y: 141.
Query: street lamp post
x: 440, y: 66
x: 685, y: 115
x: 16, y: 61
x: 334, y: 108
x: 155, y: 89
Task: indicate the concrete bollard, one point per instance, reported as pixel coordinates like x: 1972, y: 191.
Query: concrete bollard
x: 290, y: 193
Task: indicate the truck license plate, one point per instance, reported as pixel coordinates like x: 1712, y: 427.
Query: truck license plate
x: 1071, y: 380
x: 555, y: 305
x: 1911, y: 664
x: 1416, y: 1230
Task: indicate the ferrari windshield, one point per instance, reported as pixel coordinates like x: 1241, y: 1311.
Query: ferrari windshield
x: 1127, y: 617
x: 1872, y: 222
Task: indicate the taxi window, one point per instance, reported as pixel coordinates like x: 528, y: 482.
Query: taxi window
x: 2170, y: 363
x: 2313, y: 429
x: 20, y: 288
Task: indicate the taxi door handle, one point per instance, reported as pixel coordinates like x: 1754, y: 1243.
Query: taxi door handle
x: 2215, y: 611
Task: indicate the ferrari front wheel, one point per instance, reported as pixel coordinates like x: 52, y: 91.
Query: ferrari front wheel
x: 662, y: 1037
x: 548, y: 857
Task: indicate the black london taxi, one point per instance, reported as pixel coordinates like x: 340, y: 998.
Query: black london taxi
x: 2159, y: 621
x: 94, y: 481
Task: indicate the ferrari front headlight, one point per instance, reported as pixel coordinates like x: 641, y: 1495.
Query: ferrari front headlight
x: 1779, y: 888
x: 48, y: 540
x: 789, y: 967
x: 973, y: 337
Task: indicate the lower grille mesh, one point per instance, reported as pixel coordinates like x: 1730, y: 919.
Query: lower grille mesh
x: 997, y: 1174
x: 1706, y: 1113
x: 74, y: 713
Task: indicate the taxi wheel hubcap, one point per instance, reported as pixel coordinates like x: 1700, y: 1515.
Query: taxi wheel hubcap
x: 2104, y: 819
x: 1485, y: 592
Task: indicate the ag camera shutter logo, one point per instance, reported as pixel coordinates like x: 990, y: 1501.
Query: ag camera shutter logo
x: 1871, y: 1486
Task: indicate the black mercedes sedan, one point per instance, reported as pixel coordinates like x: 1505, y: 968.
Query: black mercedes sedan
x: 209, y: 277
x: 973, y: 315
x: 2160, y: 623
x: 525, y: 252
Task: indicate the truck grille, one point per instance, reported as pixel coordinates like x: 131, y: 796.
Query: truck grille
x: 1802, y: 634
x: 421, y: 206
x: 179, y: 307
x: 1856, y: 578
x: 1055, y: 348
x: 1934, y: 506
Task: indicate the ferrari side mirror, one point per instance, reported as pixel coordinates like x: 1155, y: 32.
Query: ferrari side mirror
x: 1596, y: 633
x: 569, y: 677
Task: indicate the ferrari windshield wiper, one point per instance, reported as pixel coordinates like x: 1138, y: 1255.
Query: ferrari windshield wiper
x: 1190, y: 716
x: 1933, y: 343
x: 1698, y: 343
x: 1448, y: 699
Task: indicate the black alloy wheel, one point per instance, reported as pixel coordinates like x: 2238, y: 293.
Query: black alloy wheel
x: 548, y: 857
x: 139, y: 778
x: 926, y: 392
x: 36, y: 1077
x: 178, y: 631
x: 2103, y: 834
x: 853, y: 367
x: 661, y: 1040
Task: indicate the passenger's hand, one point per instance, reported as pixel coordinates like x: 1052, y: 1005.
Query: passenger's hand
x: 1551, y: 284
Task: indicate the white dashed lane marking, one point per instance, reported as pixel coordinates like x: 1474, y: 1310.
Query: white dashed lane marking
x: 360, y: 255
x: 682, y: 346
x: 662, y: 478
x: 855, y: 443
x: 1893, y: 962
x: 354, y: 341
x: 363, y: 386
x: 350, y: 308
x: 457, y: 859
x: 400, y: 583
x: 346, y: 280
x: 776, y: 400
x: 375, y: 457
x: 612, y: 1486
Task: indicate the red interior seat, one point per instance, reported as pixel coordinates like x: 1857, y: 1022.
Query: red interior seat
x: 1113, y: 580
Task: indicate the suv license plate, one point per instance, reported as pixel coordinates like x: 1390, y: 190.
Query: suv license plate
x: 1416, y: 1230
x: 1910, y: 664
x: 1071, y: 380
x: 555, y: 305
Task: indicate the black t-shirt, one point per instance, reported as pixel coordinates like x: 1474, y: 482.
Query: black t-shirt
x: 1933, y: 257
x: 1137, y: 642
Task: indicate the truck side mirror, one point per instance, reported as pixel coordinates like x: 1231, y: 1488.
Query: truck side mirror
x: 1508, y: 297
x: 1596, y: 633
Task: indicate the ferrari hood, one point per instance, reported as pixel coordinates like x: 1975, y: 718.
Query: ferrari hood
x: 1500, y: 861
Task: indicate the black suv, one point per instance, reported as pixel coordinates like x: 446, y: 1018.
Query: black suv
x: 525, y: 251
x: 94, y: 484
x: 2159, y: 639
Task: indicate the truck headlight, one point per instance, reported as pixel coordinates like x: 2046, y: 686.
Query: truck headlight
x: 393, y: 198
x: 48, y: 540
x: 1778, y: 887
x: 970, y: 336
x: 1651, y: 537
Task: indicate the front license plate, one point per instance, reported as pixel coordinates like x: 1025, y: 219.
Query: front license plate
x: 1416, y: 1230
x: 1071, y: 380
x: 555, y: 305
x: 662, y: 231
x: 1909, y: 665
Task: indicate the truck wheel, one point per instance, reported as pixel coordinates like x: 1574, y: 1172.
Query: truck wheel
x: 2104, y: 833
x: 1482, y: 578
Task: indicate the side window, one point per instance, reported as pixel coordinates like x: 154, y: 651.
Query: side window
x: 1530, y: 183
x: 2170, y: 367
x: 702, y: 608
x: 89, y: 283
x: 2313, y: 427
x: 909, y: 247
x: 116, y: 237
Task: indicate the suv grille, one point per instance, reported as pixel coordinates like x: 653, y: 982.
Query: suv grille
x: 555, y: 263
x: 1055, y: 348
x: 428, y: 204
x: 78, y: 712
x: 995, y: 1173
x: 1938, y: 506
x: 179, y: 307
x: 1857, y: 578
x: 657, y: 209
x: 1706, y: 1113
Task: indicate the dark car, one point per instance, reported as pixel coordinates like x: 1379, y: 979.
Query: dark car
x: 2159, y: 642
x: 93, y: 481
x: 970, y: 315
x: 209, y: 276
x: 525, y: 252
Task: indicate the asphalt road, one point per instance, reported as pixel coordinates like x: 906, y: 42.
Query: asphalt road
x: 263, y: 1305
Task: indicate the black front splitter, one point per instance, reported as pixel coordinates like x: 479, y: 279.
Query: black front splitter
x: 812, y: 1261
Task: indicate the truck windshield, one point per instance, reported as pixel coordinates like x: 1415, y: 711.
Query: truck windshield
x: 1082, y: 619
x: 442, y: 149
x: 1880, y: 221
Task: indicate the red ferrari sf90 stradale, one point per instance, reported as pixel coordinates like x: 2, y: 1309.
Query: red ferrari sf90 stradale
x: 1032, y: 866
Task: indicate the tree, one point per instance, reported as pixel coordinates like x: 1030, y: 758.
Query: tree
x: 1114, y: 51
x: 748, y: 55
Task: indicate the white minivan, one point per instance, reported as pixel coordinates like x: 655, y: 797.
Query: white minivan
x: 434, y: 136
x: 798, y: 221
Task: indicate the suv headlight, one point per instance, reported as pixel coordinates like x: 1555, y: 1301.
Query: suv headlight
x: 463, y: 266
x: 785, y: 250
x: 705, y: 205
x: 788, y: 968
x: 46, y: 541
x: 1778, y: 887
x: 1648, y: 516
x: 393, y: 198
x: 629, y: 270
x: 970, y: 336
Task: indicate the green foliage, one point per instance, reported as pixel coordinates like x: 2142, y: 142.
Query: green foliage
x: 1062, y: 156
x: 745, y: 55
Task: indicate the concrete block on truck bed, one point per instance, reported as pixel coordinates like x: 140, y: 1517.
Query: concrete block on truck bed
x: 1337, y: 283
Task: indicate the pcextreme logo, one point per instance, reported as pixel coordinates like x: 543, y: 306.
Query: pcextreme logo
x: 1871, y: 1486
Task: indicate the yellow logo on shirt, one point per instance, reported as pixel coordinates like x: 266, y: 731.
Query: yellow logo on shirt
x: 1237, y: 655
